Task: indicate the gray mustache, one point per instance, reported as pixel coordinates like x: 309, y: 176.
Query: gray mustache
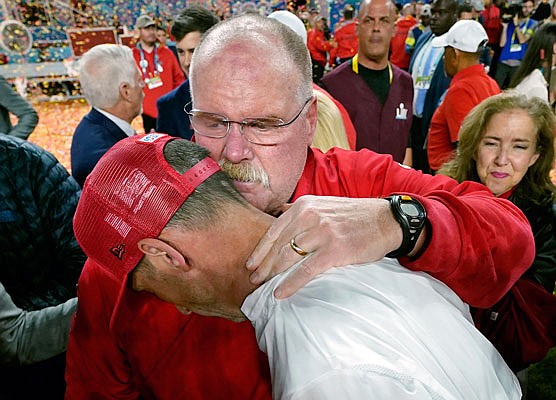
x: 244, y: 172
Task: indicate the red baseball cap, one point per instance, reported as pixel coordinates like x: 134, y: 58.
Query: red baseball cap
x: 131, y: 194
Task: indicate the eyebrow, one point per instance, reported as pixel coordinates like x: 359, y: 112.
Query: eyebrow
x: 513, y: 140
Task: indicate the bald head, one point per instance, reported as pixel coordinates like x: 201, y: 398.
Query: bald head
x: 364, y: 5
x: 252, y: 42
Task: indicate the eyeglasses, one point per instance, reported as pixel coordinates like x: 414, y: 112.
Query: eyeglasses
x: 263, y: 131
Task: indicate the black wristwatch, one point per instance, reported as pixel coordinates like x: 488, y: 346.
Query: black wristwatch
x: 412, y: 216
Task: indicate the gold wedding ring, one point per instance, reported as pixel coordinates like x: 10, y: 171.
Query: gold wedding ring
x: 297, y: 249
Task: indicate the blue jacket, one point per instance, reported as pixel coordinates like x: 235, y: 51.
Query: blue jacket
x: 41, y: 260
x: 94, y: 135
x: 172, y: 118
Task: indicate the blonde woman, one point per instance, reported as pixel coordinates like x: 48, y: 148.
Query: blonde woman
x: 330, y: 130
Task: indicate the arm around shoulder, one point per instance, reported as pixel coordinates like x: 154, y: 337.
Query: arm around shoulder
x: 472, y: 238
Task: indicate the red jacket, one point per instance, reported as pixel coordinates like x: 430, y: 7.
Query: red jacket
x: 492, y: 24
x: 347, y: 40
x: 172, y: 76
x: 398, y: 56
x: 318, y: 45
x: 154, y: 351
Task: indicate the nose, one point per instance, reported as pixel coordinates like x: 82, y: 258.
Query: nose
x: 502, y: 157
x: 187, y: 59
x: 237, y: 148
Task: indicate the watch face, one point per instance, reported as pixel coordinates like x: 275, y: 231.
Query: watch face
x: 410, y: 209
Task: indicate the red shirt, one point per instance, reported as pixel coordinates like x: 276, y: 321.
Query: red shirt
x: 172, y: 76
x: 468, y: 88
x: 347, y: 41
x: 492, y: 24
x: 318, y: 45
x: 398, y: 56
x: 154, y: 351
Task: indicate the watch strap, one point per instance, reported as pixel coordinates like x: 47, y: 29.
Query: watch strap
x: 412, y: 224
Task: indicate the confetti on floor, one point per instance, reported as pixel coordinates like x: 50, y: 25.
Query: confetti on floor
x: 57, y: 122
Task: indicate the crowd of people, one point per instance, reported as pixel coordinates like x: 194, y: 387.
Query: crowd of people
x: 308, y: 213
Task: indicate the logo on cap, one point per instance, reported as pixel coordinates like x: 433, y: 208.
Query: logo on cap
x: 118, y: 251
x: 151, y: 137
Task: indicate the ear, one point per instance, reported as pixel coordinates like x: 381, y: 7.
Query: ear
x: 457, y: 56
x: 125, y: 91
x: 163, y: 252
x: 534, y: 159
x: 312, y: 116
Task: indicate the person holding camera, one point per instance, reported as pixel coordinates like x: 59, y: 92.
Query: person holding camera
x: 517, y: 29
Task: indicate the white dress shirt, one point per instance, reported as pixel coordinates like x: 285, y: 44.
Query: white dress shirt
x: 123, y: 125
x: 375, y: 331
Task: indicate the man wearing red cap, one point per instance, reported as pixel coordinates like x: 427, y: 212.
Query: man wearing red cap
x: 179, y: 230
x: 257, y: 119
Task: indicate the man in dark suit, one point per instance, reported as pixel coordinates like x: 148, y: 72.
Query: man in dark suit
x: 187, y: 29
x: 115, y: 103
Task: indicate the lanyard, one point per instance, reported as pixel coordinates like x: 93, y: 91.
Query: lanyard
x: 519, y: 27
x: 355, y: 68
x: 144, y: 63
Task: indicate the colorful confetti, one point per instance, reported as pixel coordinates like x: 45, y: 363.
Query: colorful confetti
x: 57, y: 122
x: 61, y: 30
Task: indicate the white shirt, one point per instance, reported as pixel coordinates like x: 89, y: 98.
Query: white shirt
x: 375, y: 331
x: 426, y: 61
x: 534, y: 85
x: 123, y: 125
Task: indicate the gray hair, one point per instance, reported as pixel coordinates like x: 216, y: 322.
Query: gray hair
x: 280, y: 47
x: 101, y: 72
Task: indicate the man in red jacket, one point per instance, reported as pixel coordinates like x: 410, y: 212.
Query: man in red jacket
x: 159, y: 69
x: 319, y: 47
x: 345, y: 38
x: 398, y: 56
x: 257, y: 118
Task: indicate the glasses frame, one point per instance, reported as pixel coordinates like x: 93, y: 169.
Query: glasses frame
x: 243, y: 123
